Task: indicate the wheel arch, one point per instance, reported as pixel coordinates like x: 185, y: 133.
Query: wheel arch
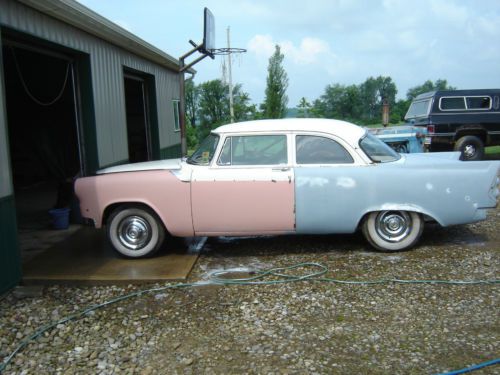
x: 141, y: 204
x: 427, y: 215
x: 475, y: 130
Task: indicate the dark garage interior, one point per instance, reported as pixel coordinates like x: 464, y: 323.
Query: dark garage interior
x: 138, y: 133
x: 43, y: 133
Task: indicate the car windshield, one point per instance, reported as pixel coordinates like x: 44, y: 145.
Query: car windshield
x: 418, y: 109
x: 377, y: 150
x: 204, y: 154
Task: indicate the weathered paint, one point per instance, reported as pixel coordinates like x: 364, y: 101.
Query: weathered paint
x: 334, y: 200
x: 168, y: 196
x: 242, y: 201
x: 250, y: 200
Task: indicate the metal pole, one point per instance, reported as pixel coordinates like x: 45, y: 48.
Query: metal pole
x: 231, y: 107
x: 182, y: 117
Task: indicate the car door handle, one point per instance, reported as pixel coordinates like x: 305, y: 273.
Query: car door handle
x: 283, y: 169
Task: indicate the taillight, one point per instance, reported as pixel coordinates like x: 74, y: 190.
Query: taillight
x: 431, y: 129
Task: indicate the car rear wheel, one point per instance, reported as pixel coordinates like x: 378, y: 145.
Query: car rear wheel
x: 393, y: 230
x: 135, y: 231
x: 471, y: 148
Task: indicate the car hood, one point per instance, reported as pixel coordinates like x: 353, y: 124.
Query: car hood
x: 169, y: 164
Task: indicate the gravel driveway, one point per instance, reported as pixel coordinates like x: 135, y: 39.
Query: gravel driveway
x: 293, y: 328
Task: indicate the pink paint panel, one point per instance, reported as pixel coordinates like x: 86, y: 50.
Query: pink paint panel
x: 163, y: 192
x: 246, y: 207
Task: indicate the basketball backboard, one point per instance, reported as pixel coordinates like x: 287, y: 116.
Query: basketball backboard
x: 208, y: 33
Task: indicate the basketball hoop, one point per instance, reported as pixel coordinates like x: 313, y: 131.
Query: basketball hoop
x: 206, y: 48
x: 227, y: 51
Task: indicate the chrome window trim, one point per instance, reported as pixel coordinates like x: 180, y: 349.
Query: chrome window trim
x: 466, y: 108
x: 215, y: 161
x: 452, y: 97
x: 478, y: 96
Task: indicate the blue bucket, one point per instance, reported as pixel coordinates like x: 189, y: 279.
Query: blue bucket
x: 60, y: 218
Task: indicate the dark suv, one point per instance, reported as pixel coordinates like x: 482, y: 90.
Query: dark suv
x: 462, y: 120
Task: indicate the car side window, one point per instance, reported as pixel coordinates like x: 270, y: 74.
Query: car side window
x: 452, y: 103
x: 311, y: 149
x: 478, y: 102
x: 254, y: 150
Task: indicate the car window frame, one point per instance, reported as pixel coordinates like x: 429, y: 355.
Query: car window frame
x: 466, y: 107
x: 320, y: 164
x: 225, y: 137
x: 357, y: 159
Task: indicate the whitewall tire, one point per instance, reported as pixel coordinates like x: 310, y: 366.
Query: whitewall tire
x: 393, y: 230
x: 135, y: 231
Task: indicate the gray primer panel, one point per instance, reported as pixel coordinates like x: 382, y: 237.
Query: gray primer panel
x: 334, y: 200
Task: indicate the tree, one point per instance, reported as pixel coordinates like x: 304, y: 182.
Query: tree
x: 373, y: 91
x: 304, y: 108
x: 275, y: 101
x: 213, y: 106
x: 191, y: 100
x: 243, y: 109
x: 398, y: 111
x: 439, y: 84
x: 192, y: 94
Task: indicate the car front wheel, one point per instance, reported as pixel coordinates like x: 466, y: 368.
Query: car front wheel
x: 135, y: 232
x: 393, y: 230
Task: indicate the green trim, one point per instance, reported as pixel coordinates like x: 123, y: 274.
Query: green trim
x: 10, y: 259
x: 87, y: 113
x: 171, y: 152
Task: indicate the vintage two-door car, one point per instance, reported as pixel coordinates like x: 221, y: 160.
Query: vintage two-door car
x: 303, y: 176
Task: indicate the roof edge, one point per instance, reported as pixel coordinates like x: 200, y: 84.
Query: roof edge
x: 83, y: 18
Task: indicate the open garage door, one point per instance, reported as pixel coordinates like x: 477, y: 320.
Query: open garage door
x: 44, y: 135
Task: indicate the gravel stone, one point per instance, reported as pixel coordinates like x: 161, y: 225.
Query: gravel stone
x: 293, y: 328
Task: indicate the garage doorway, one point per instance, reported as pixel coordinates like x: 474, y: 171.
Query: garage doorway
x: 138, y: 124
x: 46, y: 150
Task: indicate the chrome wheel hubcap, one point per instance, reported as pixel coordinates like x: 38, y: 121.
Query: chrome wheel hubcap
x: 469, y: 151
x: 134, y: 232
x: 393, y: 226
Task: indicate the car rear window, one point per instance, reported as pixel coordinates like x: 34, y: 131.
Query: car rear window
x: 320, y: 150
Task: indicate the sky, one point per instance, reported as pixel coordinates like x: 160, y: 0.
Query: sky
x: 327, y: 41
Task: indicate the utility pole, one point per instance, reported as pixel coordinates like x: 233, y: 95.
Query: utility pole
x: 231, y: 104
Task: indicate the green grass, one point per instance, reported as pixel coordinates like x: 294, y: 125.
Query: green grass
x: 493, y: 153
x: 493, y: 150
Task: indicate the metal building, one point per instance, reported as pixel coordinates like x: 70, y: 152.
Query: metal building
x: 77, y: 93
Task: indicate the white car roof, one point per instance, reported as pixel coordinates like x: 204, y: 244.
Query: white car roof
x: 345, y: 130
